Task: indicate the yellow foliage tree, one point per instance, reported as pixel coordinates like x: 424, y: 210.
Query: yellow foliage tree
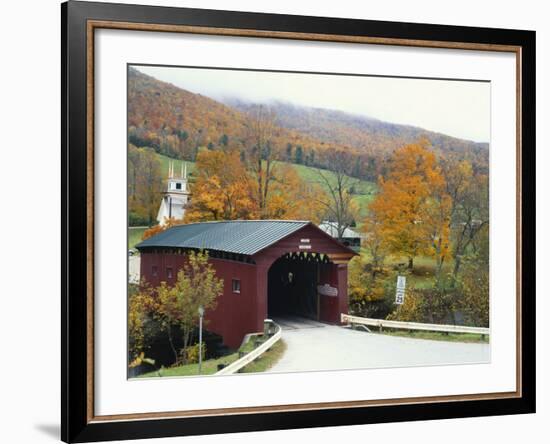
x: 469, y: 194
x: 409, y: 203
x: 222, y: 190
x: 438, y: 218
x: 374, y: 241
x: 197, y: 285
x: 141, y: 305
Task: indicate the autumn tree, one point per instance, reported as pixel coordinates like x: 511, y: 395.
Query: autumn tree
x: 196, y: 285
x: 438, y: 220
x: 338, y: 204
x: 156, y: 229
x: 134, y: 155
x: 291, y: 197
x: 474, y: 288
x: 374, y: 241
x: 260, y: 132
x: 144, y: 184
x: 141, y: 324
x: 222, y: 189
x: 469, y: 195
x: 403, y: 203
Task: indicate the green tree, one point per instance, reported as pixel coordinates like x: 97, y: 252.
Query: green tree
x: 224, y: 140
x: 288, y: 152
x: 299, y: 155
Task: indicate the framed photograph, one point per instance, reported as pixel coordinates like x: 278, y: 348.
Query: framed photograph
x: 275, y: 221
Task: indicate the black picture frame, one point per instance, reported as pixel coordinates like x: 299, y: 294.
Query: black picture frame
x: 77, y: 425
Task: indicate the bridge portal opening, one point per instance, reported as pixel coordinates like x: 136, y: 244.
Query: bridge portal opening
x: 293, y: 281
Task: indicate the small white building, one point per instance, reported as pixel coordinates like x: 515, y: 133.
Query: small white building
x: 176, y: 197
x: 350, y: 238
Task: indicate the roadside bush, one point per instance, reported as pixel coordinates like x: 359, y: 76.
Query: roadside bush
x: 431, y: 306
x: 473, y: 302
x: 367, y: 290
x: 192, y: 353
x: 143, y: 328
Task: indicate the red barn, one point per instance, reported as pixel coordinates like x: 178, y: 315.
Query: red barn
x: 269, y: 269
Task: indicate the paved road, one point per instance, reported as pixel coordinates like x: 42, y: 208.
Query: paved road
x: 315, y: 346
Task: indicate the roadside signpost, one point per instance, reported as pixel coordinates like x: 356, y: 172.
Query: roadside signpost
x: 400, y: 290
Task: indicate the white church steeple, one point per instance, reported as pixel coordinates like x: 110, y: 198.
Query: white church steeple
x: 176, y: 196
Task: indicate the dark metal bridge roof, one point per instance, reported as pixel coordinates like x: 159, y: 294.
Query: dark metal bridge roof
x: 241, y: 237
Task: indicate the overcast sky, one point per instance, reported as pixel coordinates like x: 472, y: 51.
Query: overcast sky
x: 456, y: 108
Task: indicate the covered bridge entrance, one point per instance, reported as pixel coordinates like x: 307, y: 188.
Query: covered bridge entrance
x: 269, y: 268
x: 294, y: 282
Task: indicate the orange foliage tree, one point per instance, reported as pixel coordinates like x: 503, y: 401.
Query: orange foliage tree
x: 225, y: 190
x: 154, y: 230
x: 412, y: 205
x: 222, y: 190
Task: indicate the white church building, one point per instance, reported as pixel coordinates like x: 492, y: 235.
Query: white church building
x: 176, y: 197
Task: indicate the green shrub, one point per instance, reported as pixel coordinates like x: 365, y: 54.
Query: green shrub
x: 192, y: 353
x: 137, y: 220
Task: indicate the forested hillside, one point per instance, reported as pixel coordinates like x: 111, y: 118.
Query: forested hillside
x: 176, y: 123
x: 366, y: 134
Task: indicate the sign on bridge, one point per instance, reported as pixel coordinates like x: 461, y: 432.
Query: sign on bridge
x: 327, y: 290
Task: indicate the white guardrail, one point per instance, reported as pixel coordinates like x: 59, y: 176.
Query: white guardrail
x: 381, y: 323
x: 249, y: 357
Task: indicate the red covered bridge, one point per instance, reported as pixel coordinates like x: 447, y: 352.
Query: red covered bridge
x: 269, y: 269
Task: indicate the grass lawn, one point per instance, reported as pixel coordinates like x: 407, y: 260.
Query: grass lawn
x: 134, y: 236
x: 267, y: 360
x: 209, y: 367
x: 164, y: 160
x: 422, y: 275
x: 437, y: 336
x: 312, y: 174
x: 364, y: 191
x: 363, y: 201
